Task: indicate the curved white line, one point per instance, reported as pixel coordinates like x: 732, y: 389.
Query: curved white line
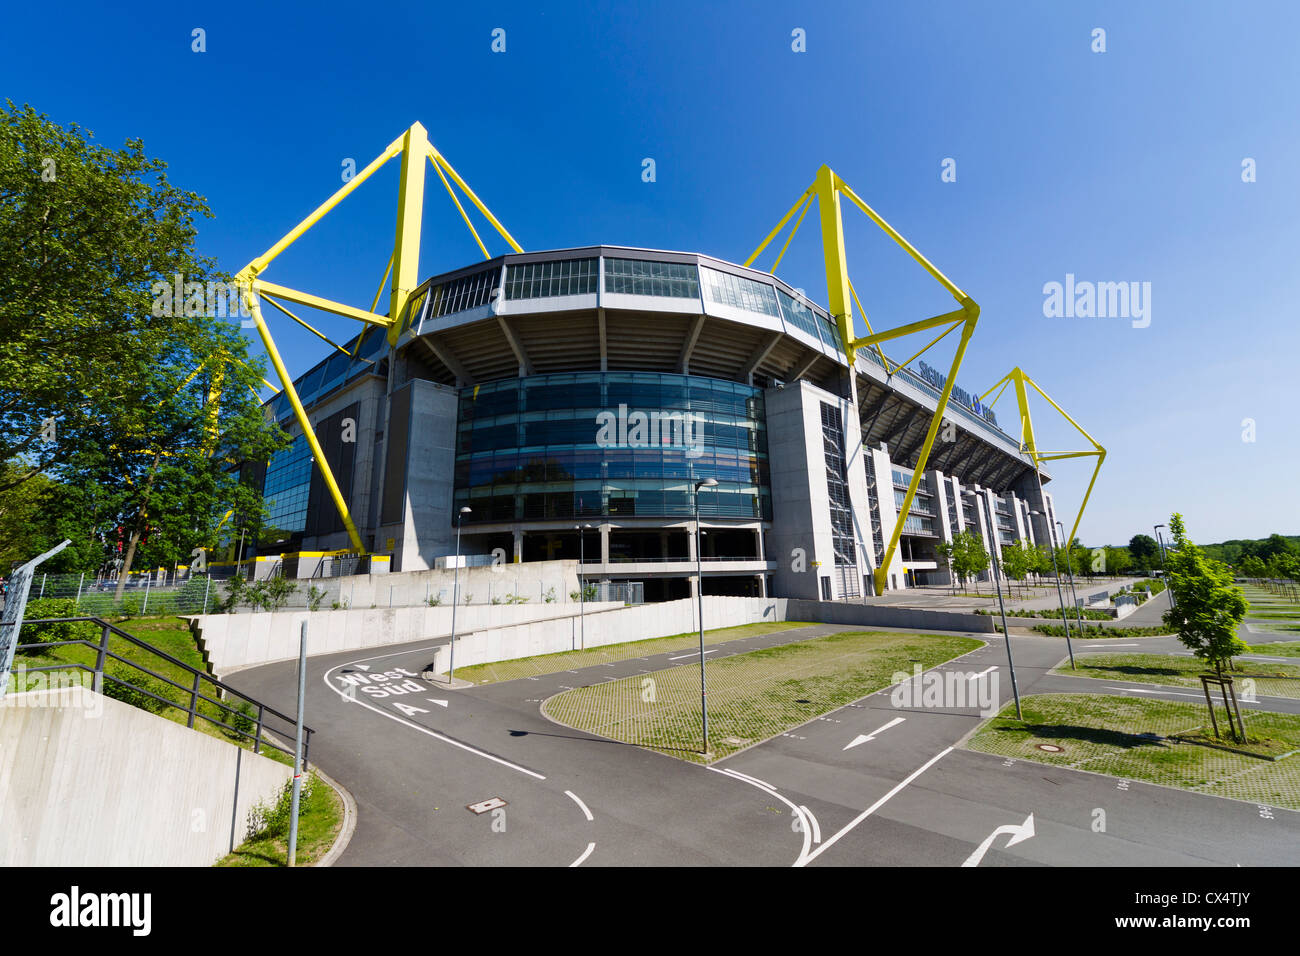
x: 585, y: 853
x: 423, y: 730
x: 576, y: 799
x: 744, y: 776
x: 803, y: 820
x: 817, y: 830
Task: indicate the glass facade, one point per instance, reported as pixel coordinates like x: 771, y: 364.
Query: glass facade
x: 645, y: 277
x: 540, y: 280
x: 615, y: 444
x: 723, y: 288
x: 333, y: 373
x: 837, y: 486
x: 467, y: 292
x: 286, y: 489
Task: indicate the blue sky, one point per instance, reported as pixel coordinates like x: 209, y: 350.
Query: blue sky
x: 1117, y: 166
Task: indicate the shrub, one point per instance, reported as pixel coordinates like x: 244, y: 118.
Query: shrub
x: 241, y: 720
x: 267, y: 821
x: 134, y: 695
x: 55, y: 607
x: 315, y: 596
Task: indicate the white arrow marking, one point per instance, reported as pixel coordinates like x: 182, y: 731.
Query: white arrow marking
x: 362, y: 667
x: 409, y: 709
x: 434, y: 700
x: 975, y: 677
x: 1018, y: 833
x: 863, y: 738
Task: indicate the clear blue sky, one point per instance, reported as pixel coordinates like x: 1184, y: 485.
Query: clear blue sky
x: 1115, y: 166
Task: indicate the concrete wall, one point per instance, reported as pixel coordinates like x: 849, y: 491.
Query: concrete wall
x: 878, y: 615
x: 532, y: 579
x: 234, y: 641
x: 86, y: 780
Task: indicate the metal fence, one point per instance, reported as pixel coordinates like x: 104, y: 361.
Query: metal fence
x: 175, y: 592
x: 117, y: 675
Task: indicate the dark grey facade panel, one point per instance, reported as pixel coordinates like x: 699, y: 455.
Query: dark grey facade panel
x: 396, y: 440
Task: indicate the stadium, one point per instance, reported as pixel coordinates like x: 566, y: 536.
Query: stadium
x: 583, y: 403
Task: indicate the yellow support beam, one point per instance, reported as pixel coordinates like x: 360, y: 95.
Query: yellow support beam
x: 300, y: 414
x: 410, y: 214
x: 828, y: 189
x: 261, y: 286
x: 1028, y: 444
x: 320, y: 335
x: 403, y: 266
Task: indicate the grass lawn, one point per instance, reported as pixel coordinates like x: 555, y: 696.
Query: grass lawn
x: 1151, y: 740
x: 609, y: 653
x: 320, y: 818
x: 1281, y: 649
x: 1273, y: 680
x: 752, y: 696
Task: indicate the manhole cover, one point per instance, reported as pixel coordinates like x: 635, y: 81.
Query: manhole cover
x: 1051, y: 748
x: 483, y: 806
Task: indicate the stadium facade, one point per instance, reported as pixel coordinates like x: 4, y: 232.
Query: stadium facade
x: 574, y: 399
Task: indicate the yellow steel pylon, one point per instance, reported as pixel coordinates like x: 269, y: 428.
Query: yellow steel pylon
x: 827, y: 189
x: 1022, y: 383
x: 403, y: 264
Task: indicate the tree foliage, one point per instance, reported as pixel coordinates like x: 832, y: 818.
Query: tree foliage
x: 114, y: 413
x: 1208, y: 607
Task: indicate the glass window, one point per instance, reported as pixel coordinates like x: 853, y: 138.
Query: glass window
x: 723, y: 288
x: 644, y: 277
x: 539, y: 280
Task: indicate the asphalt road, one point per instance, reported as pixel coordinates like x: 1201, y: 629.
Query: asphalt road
x: 416, y: 758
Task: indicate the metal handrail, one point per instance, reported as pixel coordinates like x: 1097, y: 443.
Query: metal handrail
x: 103, y: 653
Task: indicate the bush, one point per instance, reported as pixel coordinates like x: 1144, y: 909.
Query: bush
x: 55, y: 607
x: 133, y: 696
x: 241, y: 720
x: 264, y: 821
x: 315, y: 596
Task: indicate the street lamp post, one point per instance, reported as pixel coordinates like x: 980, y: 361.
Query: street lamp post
x: 582, y: 585
x: 1056, y: 573
x: 1078, y: 612
x: 1006, y: 632
x: 699, y: 595
x: 455, y: 595
x: 1164, y: 571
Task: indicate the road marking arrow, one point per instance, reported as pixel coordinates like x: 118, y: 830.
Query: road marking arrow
x: 434, y: 700
x: 863, y: 738
x: 362, y: 667
x: 1018, y: 833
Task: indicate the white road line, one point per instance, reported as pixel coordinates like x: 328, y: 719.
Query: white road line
x: 875, y: 806
x: 692, y: 654
x: 817, y: 830
x: 744, y: 776
x: 975, y: 677
x: 1143, y: 690
x: 805, y: 826
x: 423, y: 730
x: 576, y: 799
x: 585, y: 853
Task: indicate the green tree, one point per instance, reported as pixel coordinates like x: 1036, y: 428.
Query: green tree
x: 1252, y: 566
x: 135, y: 404
x: 1144, y: 549
x: 1018, y: 560
x: 967, y: 556
x: 1118, y: 560
x: 1208, y: 607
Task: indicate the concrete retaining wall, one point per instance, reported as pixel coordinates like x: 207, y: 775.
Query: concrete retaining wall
x: 234, y: 641
x: 878, y: 615
x: 86, y: 780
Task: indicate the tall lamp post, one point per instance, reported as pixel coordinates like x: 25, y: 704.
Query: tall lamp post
x: 1078, y: 612
x: 997, y: 581
x: 582, y: 584
x: 455, y: 595
x: 699, y: 594
x: 1056, y: 573
x: 1164, y: 571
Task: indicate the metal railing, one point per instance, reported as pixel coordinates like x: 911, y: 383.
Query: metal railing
x: 192, y: 691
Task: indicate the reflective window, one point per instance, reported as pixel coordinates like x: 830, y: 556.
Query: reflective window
x: 617, y: 443
x: 724, y: 288
x: 537, y: 280
x: 467, y: 292
x: 799, y: 314
x: 645, y: 277
x: 288, y: 482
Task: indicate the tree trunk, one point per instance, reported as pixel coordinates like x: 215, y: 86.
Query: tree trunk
x: 135, y: 535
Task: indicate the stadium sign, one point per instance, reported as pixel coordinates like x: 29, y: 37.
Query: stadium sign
x: 960, y: 395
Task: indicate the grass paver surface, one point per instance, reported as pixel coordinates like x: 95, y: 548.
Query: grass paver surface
x: 752, y: 696
x: 1272, y: 680
x: 611, y: 653
x: 1131, y: 738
